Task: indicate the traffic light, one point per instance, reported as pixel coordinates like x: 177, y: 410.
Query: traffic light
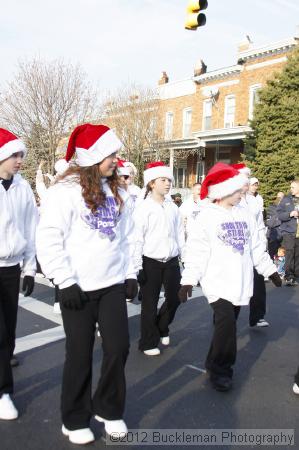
x: 195, y: 19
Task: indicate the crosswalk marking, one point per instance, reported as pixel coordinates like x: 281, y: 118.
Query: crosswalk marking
x: 44, y: 310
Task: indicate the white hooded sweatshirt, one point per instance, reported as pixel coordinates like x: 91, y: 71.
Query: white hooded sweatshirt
x: 76, y: 246
x: 159, y: 231
x: 18, y: 218
x: 221, y: 251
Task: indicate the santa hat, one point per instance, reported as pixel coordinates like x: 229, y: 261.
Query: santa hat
x: 61, y: 166
x: 10, y: 144
x: 155, y: 170
x: 242, y: 169
x: 131, y: 166
x: 221, y: 180
x: 253, y: 180
x: 92, y: 144
x: 122, y: 169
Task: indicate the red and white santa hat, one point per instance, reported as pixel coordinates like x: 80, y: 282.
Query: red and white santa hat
x: 155, y: 170
x: 92, y: 144
x: 122, y: 169
x: 10, y: 144
x: 242, y: 168
x: 221, y: 180
x: 131, y: 166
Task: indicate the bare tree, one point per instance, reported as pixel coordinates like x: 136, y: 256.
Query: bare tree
x: 133, y: 112
x: 42, y: 103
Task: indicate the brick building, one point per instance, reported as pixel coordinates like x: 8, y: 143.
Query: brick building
x: 205, y: 118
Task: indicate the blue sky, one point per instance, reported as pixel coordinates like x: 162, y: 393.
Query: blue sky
x: 126, y: 41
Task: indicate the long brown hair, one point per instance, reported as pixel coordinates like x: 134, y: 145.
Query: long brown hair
x: 90, y: 180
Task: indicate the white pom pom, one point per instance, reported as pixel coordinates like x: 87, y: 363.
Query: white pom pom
x: 61, y: 166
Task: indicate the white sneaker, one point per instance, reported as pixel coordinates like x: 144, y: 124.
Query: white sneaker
x: 262, y: 323
x: 81, y: 436
x: 165, y: 340
x: 8, y: 410
x: 113, y: 426
x: 152, y: 352
x: 56, y: 308
x: 296, y: 388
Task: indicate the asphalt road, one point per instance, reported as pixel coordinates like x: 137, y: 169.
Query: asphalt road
x: 170, y: 391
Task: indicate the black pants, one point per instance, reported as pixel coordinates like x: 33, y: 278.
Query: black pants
x: 223, y: 349
x: 257, y: 305
x: 108, y: 308
x: 273, y: 246
x: 297, y: 377
x: 9, y: 295
x: 291, y: 245
x: 153, y: 325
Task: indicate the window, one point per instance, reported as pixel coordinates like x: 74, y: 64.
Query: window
x: 168, y: 125
x: 207, y: 115
x: 180, y: 174
x: 229, y: 111
x: 253, y: 98
x: 187, y: 118
x: 224, y: 155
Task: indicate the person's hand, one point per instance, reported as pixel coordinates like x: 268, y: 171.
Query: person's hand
x: 141, y: 278
x: 72, y: 297
x: 185, y: 292
x: 276, y: 280
x: 294, y: 213
x: 28, y: 285
x: 131, y: 287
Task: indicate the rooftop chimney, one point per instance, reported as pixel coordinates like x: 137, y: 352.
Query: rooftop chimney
x: 164, y: 78
x: 245, y: 44
x: 199, y: 68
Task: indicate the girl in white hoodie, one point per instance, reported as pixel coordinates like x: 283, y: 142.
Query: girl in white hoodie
x: 84, y: 242
x: 159, y: 240
x: 221, y: 251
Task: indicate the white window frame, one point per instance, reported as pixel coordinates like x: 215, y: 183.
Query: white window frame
x: 186, y: 131
x: 204, y: 116
x: 228, y: 121
x: 252, y: 90
x: 168, y: 126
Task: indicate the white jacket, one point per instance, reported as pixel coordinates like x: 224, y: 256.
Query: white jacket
x: 18, y: 220
x: 189, y: 210
x: 221, y: 251
x: 159, y: 231
x: 76, y: 246
x: 252, y: 204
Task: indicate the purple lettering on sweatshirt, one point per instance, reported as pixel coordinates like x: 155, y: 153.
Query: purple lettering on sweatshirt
x: 234, y: 234
x: 104, y: 219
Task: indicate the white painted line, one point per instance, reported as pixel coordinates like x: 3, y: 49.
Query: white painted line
x: 40, y: 308
x: 34, y: 340
x: 196, y: 368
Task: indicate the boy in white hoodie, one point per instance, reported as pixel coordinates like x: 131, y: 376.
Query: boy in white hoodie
x: 159, y: 240
x: 18, y: 217
x: 84, y: 243
x: 221, y: 251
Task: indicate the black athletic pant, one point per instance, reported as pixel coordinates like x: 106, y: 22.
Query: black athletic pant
x: 9, y: 295
x: 223, y: 349
x: 153, y: 325
x: 291, y: 245
x: 108, y: 308
x: 257, y: 305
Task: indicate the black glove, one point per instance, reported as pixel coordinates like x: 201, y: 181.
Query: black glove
x: 72, y: 297
x: 141, y: 278
x: 185, y: 292
x: 276, y: 280
x: 28, y: 285
x: 131, y: 288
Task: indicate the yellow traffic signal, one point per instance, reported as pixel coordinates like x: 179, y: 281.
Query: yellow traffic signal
x: 195, y: 19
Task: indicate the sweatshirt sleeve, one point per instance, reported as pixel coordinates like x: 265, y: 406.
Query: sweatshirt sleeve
x: 180, y: 234
x: 54, y: 223
x: 197, y: 254
x: 30, y: 222
x: 127, y: 241
x: 139, y: 235
x: 261, y: 259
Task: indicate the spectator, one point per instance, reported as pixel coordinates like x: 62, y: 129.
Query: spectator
x: 273, y: 223
x: 288, y: 213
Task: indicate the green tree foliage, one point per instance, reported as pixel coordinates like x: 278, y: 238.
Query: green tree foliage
x: 273, y: 147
